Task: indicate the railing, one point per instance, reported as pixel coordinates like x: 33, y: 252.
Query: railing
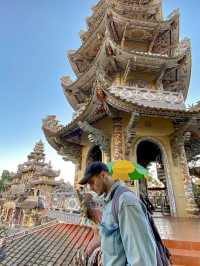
x: 63, y: 216
x: 160, y: 203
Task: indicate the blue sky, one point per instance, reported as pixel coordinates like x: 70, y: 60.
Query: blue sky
x: 34, y: 38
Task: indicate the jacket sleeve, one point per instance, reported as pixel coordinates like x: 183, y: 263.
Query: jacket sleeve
x: 136, y: 235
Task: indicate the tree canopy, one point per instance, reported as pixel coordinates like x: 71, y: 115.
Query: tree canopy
x: 6, y: 177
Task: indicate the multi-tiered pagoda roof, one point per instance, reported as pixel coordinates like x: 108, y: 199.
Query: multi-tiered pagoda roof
x: 36, y: 166
x: 31, y: 174
x: 130, y: 60
x: 115, y: 26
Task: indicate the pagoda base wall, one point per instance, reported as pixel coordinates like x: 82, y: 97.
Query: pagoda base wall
x: 174, y: 175
x: 158, y: 131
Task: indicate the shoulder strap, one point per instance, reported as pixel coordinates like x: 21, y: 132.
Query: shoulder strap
x: 163, y: 253
x: 115, y: 195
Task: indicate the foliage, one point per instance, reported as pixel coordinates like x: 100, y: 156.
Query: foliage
x: 6, y: 178
x: 196, y: 191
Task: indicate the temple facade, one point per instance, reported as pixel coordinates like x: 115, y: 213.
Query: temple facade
x: 29, y: 196
x: 133, y: 76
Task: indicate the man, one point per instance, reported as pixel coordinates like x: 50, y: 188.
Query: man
x: 128, y: 241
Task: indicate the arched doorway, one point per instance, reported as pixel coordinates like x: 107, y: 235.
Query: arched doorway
x: 94, y: 154
x: 150, y: 155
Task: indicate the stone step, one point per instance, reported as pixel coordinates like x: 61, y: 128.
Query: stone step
x: 185, y: 257
x: 179, y: 244
x: 177, y: 265
x: 184, y: 253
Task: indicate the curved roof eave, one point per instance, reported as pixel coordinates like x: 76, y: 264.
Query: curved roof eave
x: 123, y: 105
x: 127, y: 106
x: 121, y: 53
x: 164, y: 59
x: 101, y: 23
x: 70, y: 98
x: 87, y: 43
x: 189, y: 70
x: 80, y: 115
x: 81, y: 79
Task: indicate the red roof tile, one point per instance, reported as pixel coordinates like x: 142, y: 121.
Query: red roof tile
x: 53, y: 245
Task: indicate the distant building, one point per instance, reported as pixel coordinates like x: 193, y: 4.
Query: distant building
x: 28, y: 197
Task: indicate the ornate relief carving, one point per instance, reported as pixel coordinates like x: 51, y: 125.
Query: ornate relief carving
x: 179, y: 156
x: 140, y: 83
x: 192, y: 148
x: 134, y: 2
x: 69, y: 151
x: 192, y: 208
x: 102, y: 80
x: 131, y: 133
x: 96, y: 136
x: 100, y: 103
x: 66, y: 80
x: 147, y: 97
x: 117, y: 139
x: 162, y: 43
x: 180, y: 135
x: 177, y: 79
x: 100, y: 94
x: 183, y: 47
x: 138, y: 11
x: 170, y: 80
x: 51, y: 127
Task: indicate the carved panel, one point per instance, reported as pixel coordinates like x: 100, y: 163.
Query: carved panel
x: 177, y: 79
x: 147, y: 97
x: 117, y: 139
x: 131, y: 133
x: 162, y: 43
x: 138, y: 11
x: 71, y: 152
x: 192, y: 149
x: 179, y: 155
x: 96, y: 136
x: 192, y: 208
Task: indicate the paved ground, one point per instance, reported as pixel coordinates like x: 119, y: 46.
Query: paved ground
x: 179, y: 228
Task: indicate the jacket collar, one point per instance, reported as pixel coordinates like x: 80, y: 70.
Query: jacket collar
x: 108, y: 196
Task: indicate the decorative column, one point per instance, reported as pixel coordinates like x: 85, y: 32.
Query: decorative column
x: 117, y: 153
x: 131, y: 134
x: 76, y: 178
x: 191, y: 208
x: 12, y: 221
x: 22, y: 217
x: 7, y: 211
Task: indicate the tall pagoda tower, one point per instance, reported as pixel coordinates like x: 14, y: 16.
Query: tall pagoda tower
x: 133, y: 76
x: 28, y: 197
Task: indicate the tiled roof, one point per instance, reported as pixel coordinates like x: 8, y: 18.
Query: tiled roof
x: 3, y: 232
x: 57, y: 244
x: 149, y: 98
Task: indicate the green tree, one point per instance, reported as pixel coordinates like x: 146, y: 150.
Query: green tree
x: 6, y: 177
